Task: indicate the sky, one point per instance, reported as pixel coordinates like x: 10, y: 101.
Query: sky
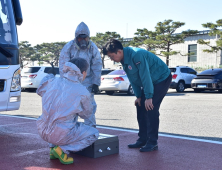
x: 56, y: 20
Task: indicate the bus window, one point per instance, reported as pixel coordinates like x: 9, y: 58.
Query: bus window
x: 10, y: 72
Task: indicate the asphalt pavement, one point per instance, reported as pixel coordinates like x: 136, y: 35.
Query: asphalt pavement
x: 196, y: 115
x: 23, y: 149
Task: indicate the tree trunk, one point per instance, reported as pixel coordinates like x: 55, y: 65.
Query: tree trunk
x: 21, y: 62
x: 57, y: 59
x: 103, y: 57
x: 167, y: 57
x: 56, y: 62
x: 167, y: 60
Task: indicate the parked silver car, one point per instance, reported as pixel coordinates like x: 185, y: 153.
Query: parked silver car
x: 182, y: 77
x: 116, y: 81
x: 106, y: 71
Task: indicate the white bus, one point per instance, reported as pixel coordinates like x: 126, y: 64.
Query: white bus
x: 10, y: 87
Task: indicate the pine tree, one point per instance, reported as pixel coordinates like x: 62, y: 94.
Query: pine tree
x: 100, y: 40
x: 162, y: 38
x: 214, y: 31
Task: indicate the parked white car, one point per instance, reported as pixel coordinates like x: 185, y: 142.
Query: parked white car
x: 116, y: 81
x: 106, y: 71
x: 32, y: 76
x: 182, y: 77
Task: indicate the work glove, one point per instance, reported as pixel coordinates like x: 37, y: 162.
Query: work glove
x: 95, y: 88
x: 52, y: 70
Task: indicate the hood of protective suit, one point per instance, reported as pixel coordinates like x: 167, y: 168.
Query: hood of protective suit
x: 82, y: 28
x: 72, y: 72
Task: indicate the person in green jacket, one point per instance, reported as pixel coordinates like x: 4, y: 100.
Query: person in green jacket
x: 150, y: 79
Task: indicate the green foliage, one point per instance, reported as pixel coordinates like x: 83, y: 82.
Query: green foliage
x: 45, y: 52
x: 25, y: 52
x: 37, y: 55
x: 49, y: 52
x: 100, y: 40
x: 143, y: 39
x: 206, y: 67
x: 41, y: 62
x: 214, y: 31
x: 162, y: 38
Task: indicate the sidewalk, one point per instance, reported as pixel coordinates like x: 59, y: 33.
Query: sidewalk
x: 22, y: 148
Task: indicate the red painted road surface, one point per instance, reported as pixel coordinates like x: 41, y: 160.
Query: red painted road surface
x: 22, y: 149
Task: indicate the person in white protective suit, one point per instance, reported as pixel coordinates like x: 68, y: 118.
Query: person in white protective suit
x: 82, y: 47
x: 63, y: 100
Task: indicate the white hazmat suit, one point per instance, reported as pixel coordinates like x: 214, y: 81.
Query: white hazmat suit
x: 92, y: 55
x: 63, y: 100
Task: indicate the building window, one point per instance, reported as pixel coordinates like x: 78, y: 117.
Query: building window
x: 192, y: 50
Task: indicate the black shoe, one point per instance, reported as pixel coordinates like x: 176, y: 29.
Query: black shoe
x: 138, y: 144
x: 149, y: 148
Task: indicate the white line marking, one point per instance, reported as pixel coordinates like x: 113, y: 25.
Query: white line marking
x: 164, y: 135
x: 32, y: 118
x: 15, y: 124
x: 136, y: 131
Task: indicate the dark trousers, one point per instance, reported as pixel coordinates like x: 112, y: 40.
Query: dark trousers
x: 149, y: 120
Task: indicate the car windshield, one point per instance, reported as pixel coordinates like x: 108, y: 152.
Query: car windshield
x: 173, y: 70
x: 31, y: 70
x: 210, y: 72
x: 47, y: 69
x: 8, y: 33
x: 117, y: 72
x: 104, y: 72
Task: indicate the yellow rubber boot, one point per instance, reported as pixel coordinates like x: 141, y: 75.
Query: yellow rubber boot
x: 58, y: 153
x: 51, y: 154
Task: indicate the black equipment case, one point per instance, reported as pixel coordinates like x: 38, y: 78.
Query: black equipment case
x: 105, y: 145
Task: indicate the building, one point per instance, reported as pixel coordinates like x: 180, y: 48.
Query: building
x: 199, y: 60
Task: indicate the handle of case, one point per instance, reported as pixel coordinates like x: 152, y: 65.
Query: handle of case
x: 109, y: 149
x: 100, y: 150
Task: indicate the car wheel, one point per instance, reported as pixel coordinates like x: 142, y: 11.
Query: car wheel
x: 197, y: 90
x: 109, y: 92
x: 130, y: 91
x: 180, y: 86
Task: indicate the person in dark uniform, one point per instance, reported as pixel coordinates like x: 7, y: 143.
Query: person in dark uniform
x: 150, y: 79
